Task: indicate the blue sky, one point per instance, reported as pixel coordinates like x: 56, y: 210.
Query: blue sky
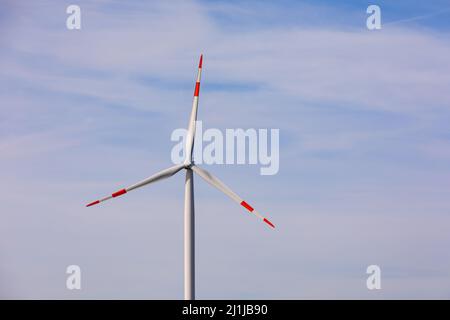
x: 364, y: 148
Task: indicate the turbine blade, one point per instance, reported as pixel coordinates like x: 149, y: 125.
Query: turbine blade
x: 212, y: 180
x: 166, y: 173
x: 193, y: 119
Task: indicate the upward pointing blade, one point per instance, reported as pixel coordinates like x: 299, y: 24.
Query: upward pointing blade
x: 166, y: 173
x: 212, y: 180
x: 192, y: 120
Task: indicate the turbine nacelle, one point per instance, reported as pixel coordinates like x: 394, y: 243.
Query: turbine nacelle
x: 188, y: 163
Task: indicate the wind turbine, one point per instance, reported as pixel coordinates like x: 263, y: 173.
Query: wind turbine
x: 190, y: 167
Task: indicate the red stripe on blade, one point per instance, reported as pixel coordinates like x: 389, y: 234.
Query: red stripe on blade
x: 92, y: 203
x: 201, y: 61
x: 269, y: 223
x: 197, y: 89
x: 246, y: 206
x: 119, y: 193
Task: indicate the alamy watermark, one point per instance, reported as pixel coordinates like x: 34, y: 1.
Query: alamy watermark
x: 373, y: 21
x: 73, y: 21
x: 373, y: 282
x: 236, y: 146
x: 73, y: 281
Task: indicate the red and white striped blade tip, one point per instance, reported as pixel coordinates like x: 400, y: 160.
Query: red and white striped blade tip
x: 201, y: 61
x: 93, y: 203
x: 250, y: 208
x: 119, y: 193
x: 269, y: 223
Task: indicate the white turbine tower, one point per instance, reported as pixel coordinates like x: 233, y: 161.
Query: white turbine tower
x: 190, y: 167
